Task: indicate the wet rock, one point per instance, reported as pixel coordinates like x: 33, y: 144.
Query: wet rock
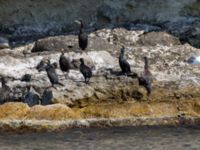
x: 4, y: 43
x: 157, y: 38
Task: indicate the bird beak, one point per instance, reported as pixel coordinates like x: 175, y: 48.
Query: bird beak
x: 77, y: 21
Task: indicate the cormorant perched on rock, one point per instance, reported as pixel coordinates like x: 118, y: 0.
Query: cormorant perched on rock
x: 47, y: 97
x: 4, y: 91
x: 124, y: 65
x: 82, y: 37
x: 64, y: 62
x: 31, y: 97
x: 41, y: 65
x: 146, y: 78
x: 51, y: 73
x: 85, y: 70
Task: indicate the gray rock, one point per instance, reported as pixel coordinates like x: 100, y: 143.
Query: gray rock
x: 53, y: 44
x: 157, y: 38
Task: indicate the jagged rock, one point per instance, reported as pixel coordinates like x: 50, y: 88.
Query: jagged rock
x: 4, y: 43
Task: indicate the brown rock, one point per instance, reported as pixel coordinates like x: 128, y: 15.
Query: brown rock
x: 13, y: 111
x: 51, y: 112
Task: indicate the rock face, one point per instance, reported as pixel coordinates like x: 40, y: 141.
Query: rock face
x: 53, y: 17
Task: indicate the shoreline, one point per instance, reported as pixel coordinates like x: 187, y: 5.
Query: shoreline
x: 25, y: 126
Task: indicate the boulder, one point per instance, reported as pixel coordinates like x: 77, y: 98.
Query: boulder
x: 157, y: 38
x: 54, y: 44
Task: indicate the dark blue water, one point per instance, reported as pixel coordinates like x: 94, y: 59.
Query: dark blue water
x: 125, y: 138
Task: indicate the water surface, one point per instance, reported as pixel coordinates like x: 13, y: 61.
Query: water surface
x: 124, y: 138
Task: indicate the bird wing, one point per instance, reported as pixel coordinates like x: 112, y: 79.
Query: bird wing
x: 86, y: 71
x: 53, y: 77
x: 64, y: 62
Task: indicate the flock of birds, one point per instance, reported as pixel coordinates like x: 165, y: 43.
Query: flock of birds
x: 145, y: 79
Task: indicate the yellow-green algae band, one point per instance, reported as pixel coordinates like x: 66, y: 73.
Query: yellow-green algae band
x: 18, y: 117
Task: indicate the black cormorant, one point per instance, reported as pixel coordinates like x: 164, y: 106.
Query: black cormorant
x: 64, y: 62
x: 41, y: 65
x: 47, y: 97
x: 82, y: 36
x: 124, y: 65
x: 4, y: 91
x: 145, y: 79
x: 85, y: 70
x: 51, y: 73
x: 31, y: 97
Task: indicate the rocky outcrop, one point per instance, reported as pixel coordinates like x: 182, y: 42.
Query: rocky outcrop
x: 109, y: 95
x: 167, y: 63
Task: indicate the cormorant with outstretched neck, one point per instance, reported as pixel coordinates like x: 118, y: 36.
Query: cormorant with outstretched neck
x: 82, y: 36
x: 51, y: 73
x: 85, y: 70
x: 4, y: 91
x: 123, y: 63
x: 145, y: 79
x: 64, y: 62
